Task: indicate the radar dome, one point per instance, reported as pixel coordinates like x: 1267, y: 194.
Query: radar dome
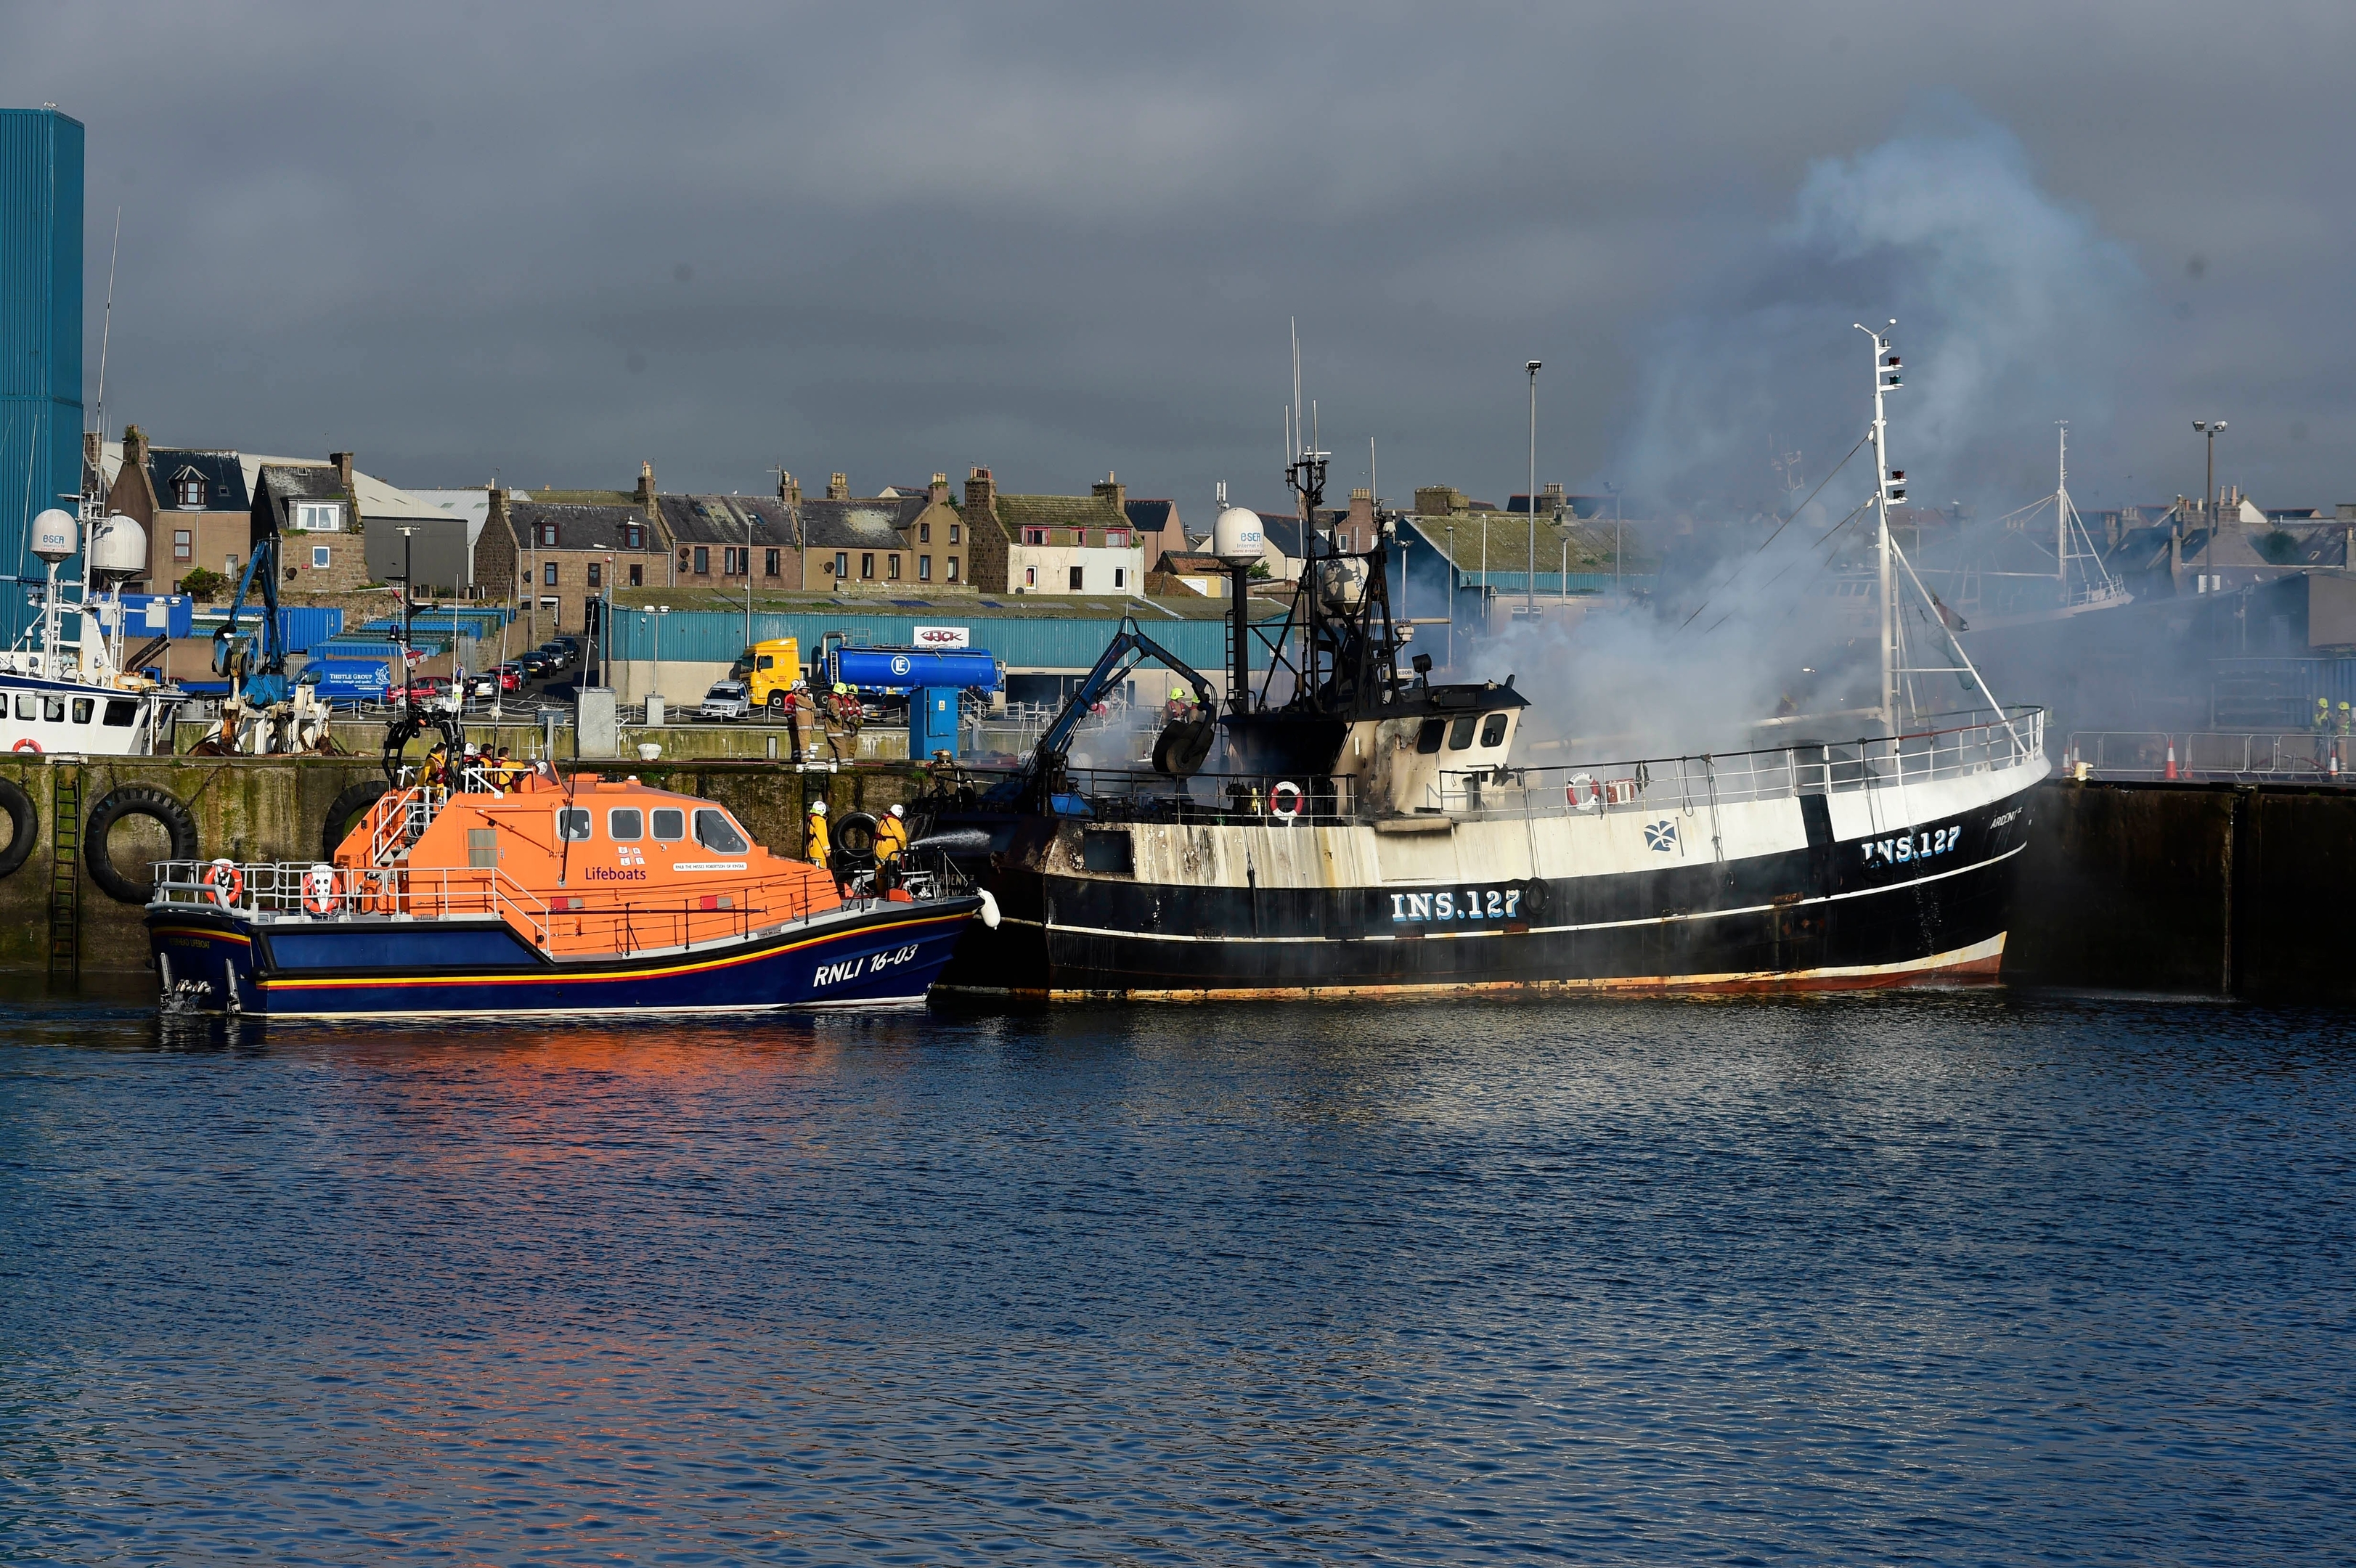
x: 53, y: 535
x: 118, y: 546
x: 1235, y: 537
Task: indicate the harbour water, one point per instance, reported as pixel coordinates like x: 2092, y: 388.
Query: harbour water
x: 1939, y: 1278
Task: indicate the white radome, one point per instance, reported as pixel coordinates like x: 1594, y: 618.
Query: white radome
x: 53, y: 536
x: 1235, y: 537
x: 119, y: 547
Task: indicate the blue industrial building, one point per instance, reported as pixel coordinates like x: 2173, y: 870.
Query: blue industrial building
x: 41, y: 339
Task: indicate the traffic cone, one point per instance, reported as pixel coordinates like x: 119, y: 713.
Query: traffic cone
x: 2171, y: 756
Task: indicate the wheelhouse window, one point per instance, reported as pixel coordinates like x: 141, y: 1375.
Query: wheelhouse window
x: 121, y: 713
x: 82, y: 707
x: 320, y: 516
x: 625, y: 825
x: 573, y: 823
x: 671, y: 823
x: 1460, y: 733
x: 1428, y: 739
x: 714, y: 831
x: 1493, y: 730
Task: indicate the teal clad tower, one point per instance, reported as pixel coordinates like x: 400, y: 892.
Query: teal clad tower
x: 40, y: 339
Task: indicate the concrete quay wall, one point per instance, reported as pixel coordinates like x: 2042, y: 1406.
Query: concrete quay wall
x: 274, y: 808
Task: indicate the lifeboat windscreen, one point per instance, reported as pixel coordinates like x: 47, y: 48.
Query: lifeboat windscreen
x: 714, y: 831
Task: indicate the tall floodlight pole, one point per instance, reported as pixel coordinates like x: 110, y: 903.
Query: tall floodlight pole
x: 1889, y: 485
x: 2208, y: 495
x: 1530, y: 582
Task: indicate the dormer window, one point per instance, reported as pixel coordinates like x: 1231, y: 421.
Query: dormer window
x: 629, y: 536
x: 1035, y: 536
x: 1116, y: 539
x: 320, y: 516
x: 192, y: 492
x: 545, y: 535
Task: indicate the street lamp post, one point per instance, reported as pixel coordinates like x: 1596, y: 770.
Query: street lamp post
x: 2209, y: 497
x: 1530, y: 582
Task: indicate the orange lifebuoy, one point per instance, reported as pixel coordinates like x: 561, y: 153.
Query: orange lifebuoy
x: 227, y: 882
x: 27, y: 744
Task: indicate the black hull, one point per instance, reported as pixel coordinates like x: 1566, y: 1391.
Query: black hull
x: 1834, y: 916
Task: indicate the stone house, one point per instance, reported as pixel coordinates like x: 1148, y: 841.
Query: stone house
x: 312, y: 511
x: 1051, y: 544
x: 556, y: 553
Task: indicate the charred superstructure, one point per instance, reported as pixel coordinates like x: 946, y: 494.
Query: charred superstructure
x: 1367, y: 831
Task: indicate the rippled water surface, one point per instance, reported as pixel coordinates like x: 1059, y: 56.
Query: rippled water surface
x: 1942, y: 1278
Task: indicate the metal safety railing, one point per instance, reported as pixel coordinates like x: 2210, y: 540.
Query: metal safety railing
x: 1986, y: 744
x: 2254, y: 756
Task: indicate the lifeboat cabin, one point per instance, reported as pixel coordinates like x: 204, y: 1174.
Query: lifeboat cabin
x: 540, y: 896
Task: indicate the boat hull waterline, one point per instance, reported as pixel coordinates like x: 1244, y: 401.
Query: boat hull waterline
x: 883, y: 957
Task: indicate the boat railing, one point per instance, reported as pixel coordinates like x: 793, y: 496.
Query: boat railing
x: 1116, y: 794
x: 2293, y: 756
x: 559, y: 923
x: 401, y: 818
x: 1987, y: 743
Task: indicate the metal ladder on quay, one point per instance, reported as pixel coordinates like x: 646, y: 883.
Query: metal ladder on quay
x: 64, y: 873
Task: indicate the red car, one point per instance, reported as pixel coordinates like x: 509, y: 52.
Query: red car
x: 420, y: 689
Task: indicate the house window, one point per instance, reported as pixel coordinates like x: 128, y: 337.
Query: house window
x: 1121, y: 577
x: 1035, y: 536
x: 1076, y: 580
x: 892, y: 566
x: 629, y: 536
x: 843, y: 563
x: 184, y: 544
x: 638, y: 576
x: 953, y: 576
x: 548, y: 574
x: 703, y: 560
x: 924, y: 569
x: 1030, y: 577
x: 228, y: 566
x: 597, y: 574
x: 867, y: 566
x: 953, y: 533
x: 1116, y: 539
x: 320, y: 516
x: 547, y: 533
x: 318, y: 558
x: 769, y: 564
x: 192, y: 492
x: 728, y: 562
x: 924, y: 533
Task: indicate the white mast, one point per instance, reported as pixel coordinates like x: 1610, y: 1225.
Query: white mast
x: 1889, y: 485
x: 2062, y: 515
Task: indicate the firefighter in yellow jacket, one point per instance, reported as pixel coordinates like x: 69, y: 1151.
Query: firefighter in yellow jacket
x: 891, y: 836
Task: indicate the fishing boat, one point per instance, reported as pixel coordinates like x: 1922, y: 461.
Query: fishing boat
x: 1375, y: 833
x: 73, y: 684
x: 576, y: 897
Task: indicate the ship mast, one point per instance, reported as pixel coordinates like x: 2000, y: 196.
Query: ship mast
x: 1890, y: 486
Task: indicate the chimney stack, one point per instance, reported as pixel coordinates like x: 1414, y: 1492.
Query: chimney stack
x: 981, y: 494
x: 342, y: 460
x: 645, y: 493
x: 1114, y: 492
x: 837, y: 487
x: 134, y: 447
x: 939, y: 493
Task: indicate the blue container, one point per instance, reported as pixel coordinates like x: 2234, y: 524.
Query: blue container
x: 932, y: 721
x: 40, y: 337
x: 900, y: 670
x: 347, y: 680
x: 158, y: 616
x: 302, y: 626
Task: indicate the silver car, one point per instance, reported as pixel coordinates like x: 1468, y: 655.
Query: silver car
x: 726, y: 700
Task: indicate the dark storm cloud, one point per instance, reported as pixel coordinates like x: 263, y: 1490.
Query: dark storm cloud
x: 555, y: 240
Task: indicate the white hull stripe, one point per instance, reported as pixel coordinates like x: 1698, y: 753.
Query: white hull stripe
x: 1535, y: 930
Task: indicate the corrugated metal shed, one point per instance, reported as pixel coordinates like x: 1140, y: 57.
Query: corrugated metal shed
x: 1073, y: 643
x: 41, y: 335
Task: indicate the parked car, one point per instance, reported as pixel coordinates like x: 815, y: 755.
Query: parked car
x: 537, y: 664
x: 559, y: 652
x: 726, y: 700
x: 510, y: 676
x: 422, y: 689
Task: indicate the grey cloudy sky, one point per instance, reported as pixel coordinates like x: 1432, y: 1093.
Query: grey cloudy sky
x: 551, y: 240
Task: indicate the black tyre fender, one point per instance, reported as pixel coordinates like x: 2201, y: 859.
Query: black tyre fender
x: 1534, y: 899
x: 24, y: 827
x: 133, y: 800
x: 854, y: 842
x: 354, y: 800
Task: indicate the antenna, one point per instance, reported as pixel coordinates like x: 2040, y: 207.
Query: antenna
x: 1296, y: 384
x: 106, y: 327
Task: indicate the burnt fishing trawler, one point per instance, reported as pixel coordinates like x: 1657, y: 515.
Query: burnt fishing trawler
x: 1372, y: 834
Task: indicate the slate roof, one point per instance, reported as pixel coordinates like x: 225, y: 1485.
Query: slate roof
x: 278, y: 488
x: 1059, y: 512
x: 223, y: 475
x: 579, y: 527
x: 871, y: 524
x: 720, y: 519
x: 1149, y: 516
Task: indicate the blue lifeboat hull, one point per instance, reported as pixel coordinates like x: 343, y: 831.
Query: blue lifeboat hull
x: 885, y: 955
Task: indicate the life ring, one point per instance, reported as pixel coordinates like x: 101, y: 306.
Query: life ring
x: 319, y: 890
x: 1583, y: 793
x: 225, y: 882
x: 1284, y: 801
x: 27, y: 745
x: 133, y: 800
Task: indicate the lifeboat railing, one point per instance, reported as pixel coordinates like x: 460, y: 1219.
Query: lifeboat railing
x: 570, y: 923
x: 401, y: 818
x: 1990, y: 743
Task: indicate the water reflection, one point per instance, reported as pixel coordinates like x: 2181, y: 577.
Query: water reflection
x: 1961, y: 1276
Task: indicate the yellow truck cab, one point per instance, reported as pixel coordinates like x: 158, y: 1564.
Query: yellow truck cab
x: 768, y: 669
